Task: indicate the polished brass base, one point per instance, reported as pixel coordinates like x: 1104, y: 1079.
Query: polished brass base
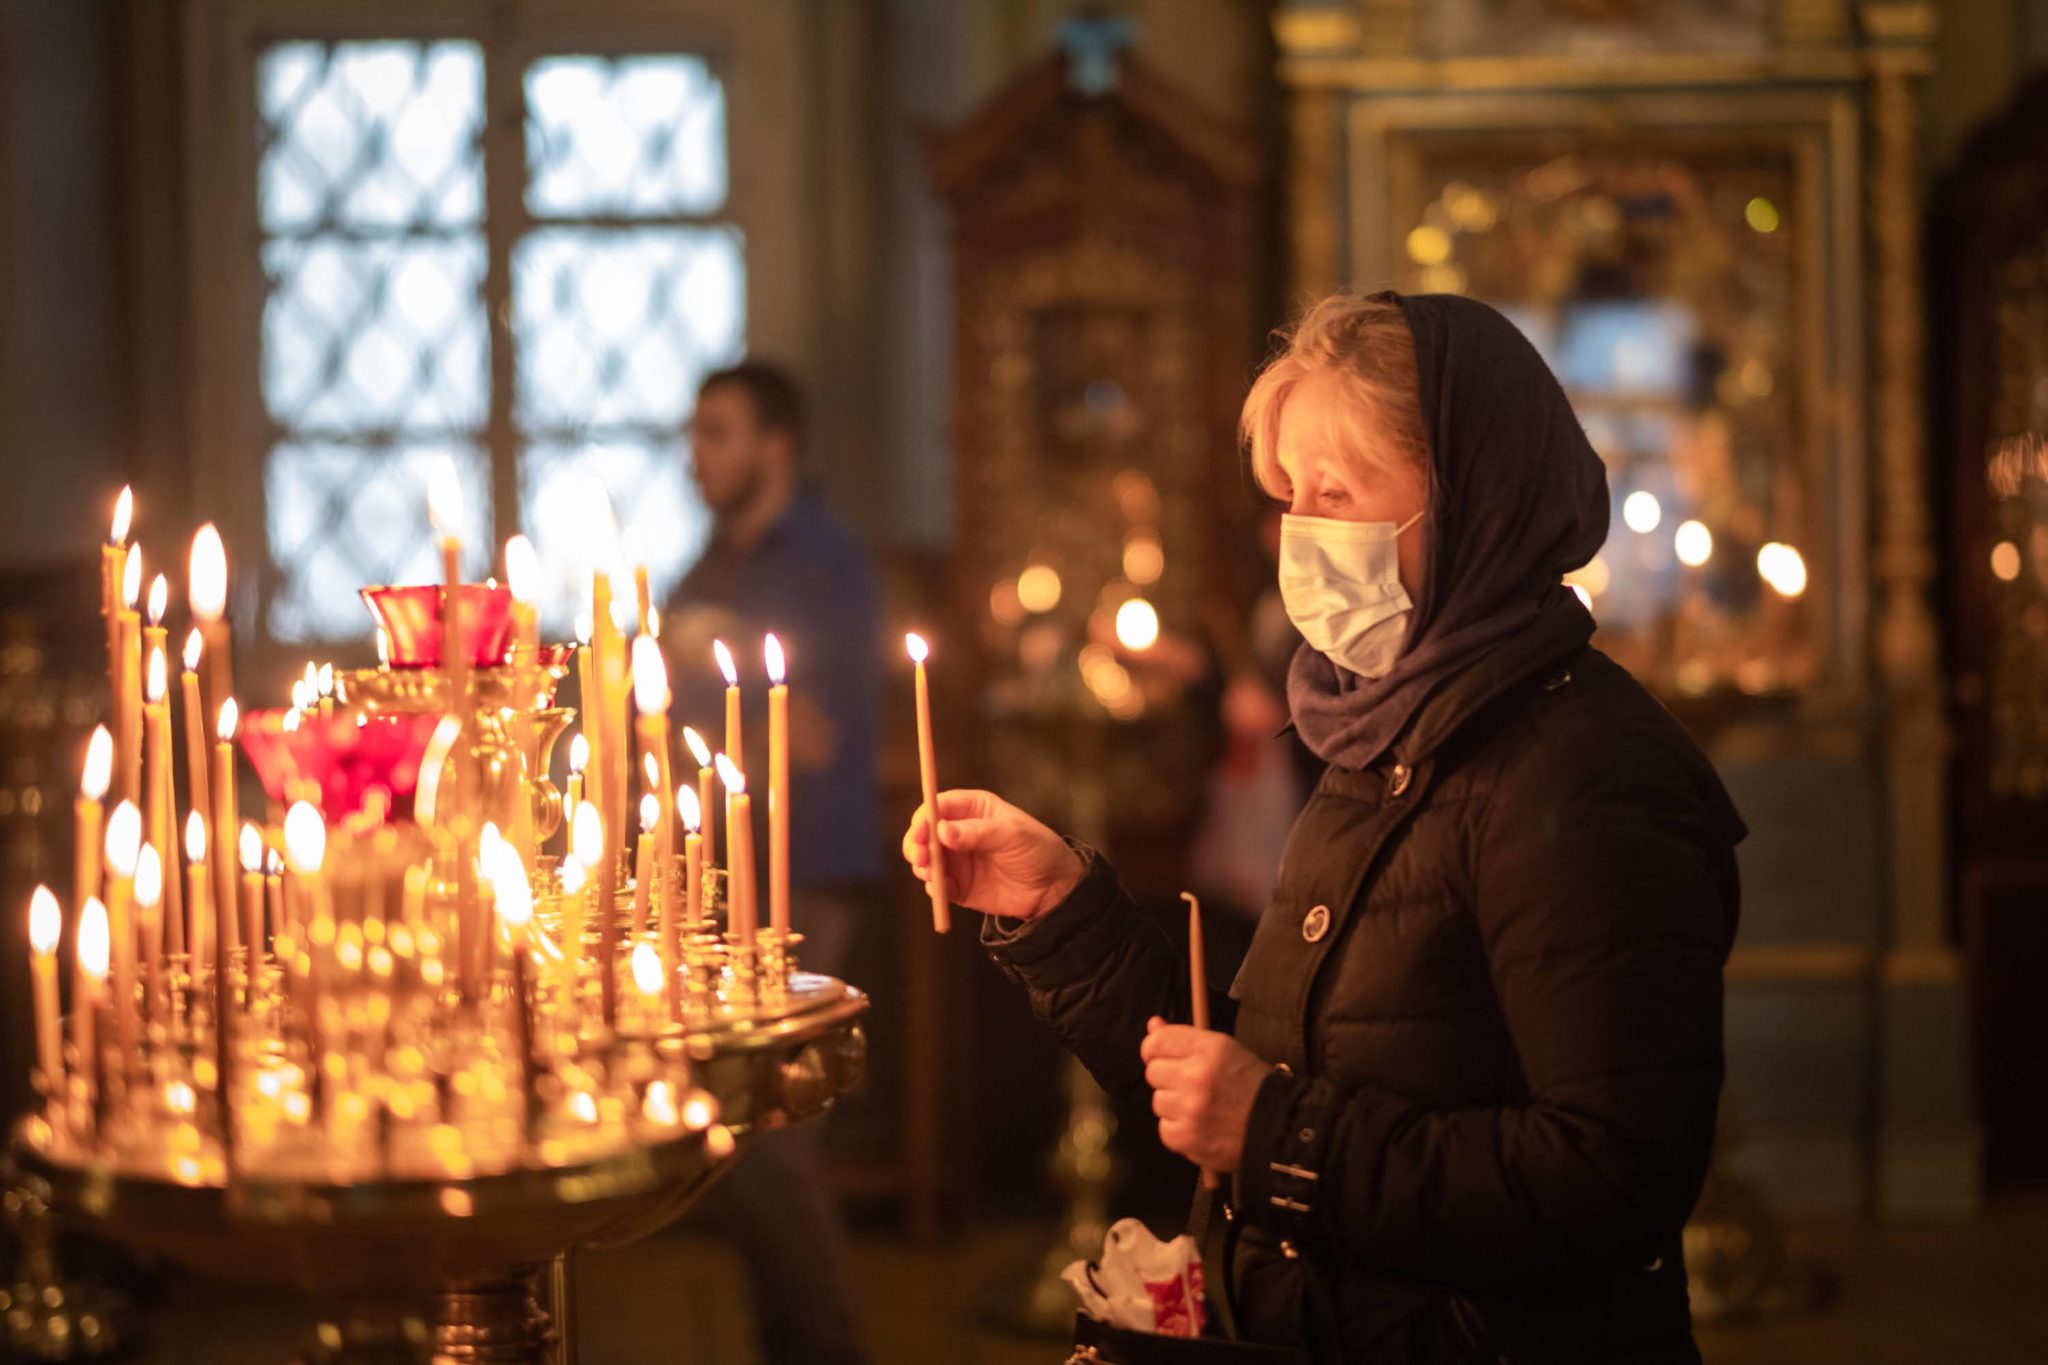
x: 44, y: 1314
x: 494, y: 1319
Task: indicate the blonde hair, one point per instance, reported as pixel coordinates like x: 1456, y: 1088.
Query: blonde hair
x: 1364, y: 344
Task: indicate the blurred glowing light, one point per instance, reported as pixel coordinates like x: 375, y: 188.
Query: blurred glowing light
x: 1761, y: 214
x: 2005, y: 561
x: 1137, y: 625
x: 1039, y: 588
x: 1429, y: 245
x: 1783, y: 567
x: 1144, y: 560
x: 1694, y: 543
x: 1640, y: 511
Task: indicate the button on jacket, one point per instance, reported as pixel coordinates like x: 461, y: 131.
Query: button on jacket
x: 1489, y: 980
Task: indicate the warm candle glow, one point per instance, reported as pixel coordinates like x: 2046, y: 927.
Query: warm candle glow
x: 586, y: 837
x: 506, y: 872
x: 582, y: 627
x: 689, y: 808
x: 124, y: 513
x: 159, y: 676
x: 124, y: 839
x: 99, y: 764
x: 579, y: 753
x: 251, y: 849
x: 45, y: 921
x: 94, y: 940
x: 323, y: 681
x: 650, y: 676
x: 230, y: 720
x: 444, y: 499
x: 725, y: 663
x: 699, y: 750
x: 646, y: 968
x: 573, y: 876
x: 195, y: 838
x: 305, y: 838
x: 650, y: 813
x: 159, y: 598
x: 522, y: 569
x: 131, y: 579
x: 195, y: 645
x: 729, y: 773
x: 1137, y: 625
x: 149, y: 876
x: 771, y: 654
x: 919, y: 650
x: 650, y: 770
x: 206, y: 583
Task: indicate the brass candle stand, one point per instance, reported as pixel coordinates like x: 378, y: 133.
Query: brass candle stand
x: 408, y: 1091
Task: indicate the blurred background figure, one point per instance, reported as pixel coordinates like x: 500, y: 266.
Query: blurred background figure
x: 779, y: 561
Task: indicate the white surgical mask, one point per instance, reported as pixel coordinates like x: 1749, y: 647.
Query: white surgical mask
x: 1341, y: 583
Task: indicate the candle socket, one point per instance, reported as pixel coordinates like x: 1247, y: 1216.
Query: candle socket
x: 777, y: 953
x: 703, y: 969
x: 742, y: 971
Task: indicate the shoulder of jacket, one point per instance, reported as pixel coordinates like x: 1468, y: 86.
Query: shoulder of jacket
x: 1580, y: 723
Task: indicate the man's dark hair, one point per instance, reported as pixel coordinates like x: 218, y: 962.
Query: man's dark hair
x: 777, y: 398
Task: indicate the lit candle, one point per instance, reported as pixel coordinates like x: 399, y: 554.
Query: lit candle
x: 513, y: 893
x: 588, y: 702
x: 206, y: 592
x: 128, y: 689
x: 706, y: 793
x: 608, y: 668
x: 643, y: 595
x: 648, y: 974
x: 522, y: 576
x: 928, y: 777
x: 195, y: 726
x: 89, y: 812
x: 586, y: 848
x: 250, y: 854
x: 149, y: 900
x: 45, y: 926
x: 732, y: 726
x: 575, y: 894
x: 579, y: 759
x: 743, y: 913
x: 225, y: 820
x: 198, y: 890
x: 90, y: 988
x: 113, y: 571
x: 123, y: 847
x: 692, y: 813
x: 778, y: 788
x: 643, y: 859
x: 305, y: 860
x: 651, y: 698
x: 162, y: 803
x: 273, y: 898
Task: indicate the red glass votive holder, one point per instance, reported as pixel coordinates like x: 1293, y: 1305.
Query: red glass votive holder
x: 411, y: 618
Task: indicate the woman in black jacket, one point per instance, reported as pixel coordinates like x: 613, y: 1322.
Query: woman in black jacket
x: 1466, y: 1078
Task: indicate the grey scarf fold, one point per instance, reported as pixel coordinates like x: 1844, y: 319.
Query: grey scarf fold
x: 1517, y: 499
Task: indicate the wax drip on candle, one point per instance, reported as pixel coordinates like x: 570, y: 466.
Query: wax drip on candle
x: 131, y: 577
x: 159, y: 598
x: 99, y: 765
x: 124, y: 514
x: 206, y: 583
x: 195, y: 646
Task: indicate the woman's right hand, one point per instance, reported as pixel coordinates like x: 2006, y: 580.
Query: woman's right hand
x: 999, y: 860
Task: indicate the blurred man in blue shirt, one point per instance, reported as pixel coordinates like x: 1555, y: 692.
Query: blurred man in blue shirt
x: 779, y: 560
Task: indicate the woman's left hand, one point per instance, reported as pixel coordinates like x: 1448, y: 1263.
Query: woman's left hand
x: 1203, y: 1084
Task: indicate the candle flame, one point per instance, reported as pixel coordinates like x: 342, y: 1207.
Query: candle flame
x: 771, y: 655
x: 45, y: 922
x: 93, y: 939
x: 689, y: 807
x: 124, y: 513
x: 311, y: 678
x: 131, y: 577
x: 159, y: 676
x: 149, y: 876
x: 195, y: 838
x: 572, y: 875
x: 99, y: 765
x: 729, y: 773
x: 582, y: 627
x: 522, y: 570
x: 658, y: 1105
x: 579, y: 752
x: 650, y: 813
x: 273, y: 862
x: 725, y: 663
x: 206, y: 581
x: 651, y: 771
x: 699, y: 750
x: 919, y: 650
x: 305, y: 838
x: 650, y: 677
x: 230, y: 718
x: 195, y: 645
x: 159, y: 598
x: 251, y: 848
x: 444, y: 499
x: 300, y: 699
x: 699, y: 1110
x: 323, y: 682
x: 586, y: 835
x: 503, y: 868
x: 646, y: 968
x: 124, y: 839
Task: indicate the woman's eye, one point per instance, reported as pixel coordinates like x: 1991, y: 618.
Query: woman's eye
x: 1336, y: 497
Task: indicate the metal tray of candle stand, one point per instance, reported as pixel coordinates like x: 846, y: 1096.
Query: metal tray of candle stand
x: 377, y: 1254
